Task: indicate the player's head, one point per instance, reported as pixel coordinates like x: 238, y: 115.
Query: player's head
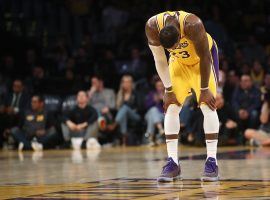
x: 169, y: 37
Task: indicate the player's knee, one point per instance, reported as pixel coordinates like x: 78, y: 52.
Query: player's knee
x: 172, y: 120
x: 173, y: 109
x: 211, y: 121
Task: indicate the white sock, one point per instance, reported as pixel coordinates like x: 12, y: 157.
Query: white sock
x: 172, y: 149
x: 211, y: 147
x: 172, y: 127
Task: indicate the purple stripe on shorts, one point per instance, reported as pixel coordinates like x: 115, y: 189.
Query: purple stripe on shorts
x: 214, y: 52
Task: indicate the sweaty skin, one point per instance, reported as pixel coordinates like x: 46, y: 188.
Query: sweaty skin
x: 195, y: 31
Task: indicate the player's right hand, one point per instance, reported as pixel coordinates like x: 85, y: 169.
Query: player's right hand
x: 168, y: 99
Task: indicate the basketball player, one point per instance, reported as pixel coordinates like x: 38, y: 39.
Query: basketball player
x: 193, y: 63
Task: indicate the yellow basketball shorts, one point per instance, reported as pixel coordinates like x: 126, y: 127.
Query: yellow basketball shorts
x: 187, y: 77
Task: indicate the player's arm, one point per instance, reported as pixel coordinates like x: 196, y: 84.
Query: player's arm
x: 158, y: 52
x: 195, y: 31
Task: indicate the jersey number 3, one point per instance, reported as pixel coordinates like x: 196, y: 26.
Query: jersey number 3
x: 184, y: 54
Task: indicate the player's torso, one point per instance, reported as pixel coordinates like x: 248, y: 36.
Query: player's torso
x: 185, y: 51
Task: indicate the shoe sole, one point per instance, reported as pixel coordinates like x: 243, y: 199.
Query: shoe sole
x: 167, y: 179
x: 209, y: 179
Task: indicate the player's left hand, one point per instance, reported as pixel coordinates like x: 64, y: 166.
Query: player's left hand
x: 208, y: 98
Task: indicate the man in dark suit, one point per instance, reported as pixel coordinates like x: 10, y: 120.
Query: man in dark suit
x: 15, y: 103
x: 17, y: 100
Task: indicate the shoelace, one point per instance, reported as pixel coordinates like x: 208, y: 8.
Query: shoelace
x: 168, y: 167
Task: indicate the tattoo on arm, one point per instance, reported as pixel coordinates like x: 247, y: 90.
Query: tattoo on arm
x: 195, y: 31
x: 151, y: 32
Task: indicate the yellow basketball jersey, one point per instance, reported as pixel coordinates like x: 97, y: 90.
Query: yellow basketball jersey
x: 185, y: 51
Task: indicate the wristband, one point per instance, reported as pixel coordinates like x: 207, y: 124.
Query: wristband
x: 203, y: 89
x: 168, y: 90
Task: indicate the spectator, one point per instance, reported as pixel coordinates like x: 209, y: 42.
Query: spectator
x: 155, y: 113
x: 81, y: 122
x: 265, y: 89
x: 36, y: 83
x: 37, y: 129
x: 16, y: 103
x: 8, y: 68
x: 244, y: 69
x: 257, y: 73
x: 261, y: 137
x: 83, y: 63
x: 137, y: 65
x: 228, y: 132
x: 31, y: 58
x: 107, y: 69
x: 103, y: 100
x: 253, y: 50
x: 221, y: 81
x: 70, y: 84
x: 127, y: 105
x: 232, y: 81
x: 239, y: 58
x: 246, y: 102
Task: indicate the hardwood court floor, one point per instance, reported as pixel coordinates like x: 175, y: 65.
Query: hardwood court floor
x: 130, y: 173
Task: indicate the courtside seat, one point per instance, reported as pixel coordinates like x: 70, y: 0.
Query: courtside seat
x: 69, y: 103
x: 53, y: 103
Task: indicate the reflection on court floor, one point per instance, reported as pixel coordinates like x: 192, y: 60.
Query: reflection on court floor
x: 245, y: 174
x: 149, y: 189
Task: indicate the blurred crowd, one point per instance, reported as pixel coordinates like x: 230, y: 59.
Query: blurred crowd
x: 79, y: 73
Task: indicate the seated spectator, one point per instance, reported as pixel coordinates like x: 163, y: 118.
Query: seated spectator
x: 261, y: 137
x: 81, y: 122
x: 37, y: 130
x: 257, y: 73
x: 253, y: 49
x: 246, y: 102
x: 228, y: 133
x: 17, y: 100
x: 127, y: 106
x: 245, y: 69
x: 107, y: 69
x: 265, y: 89
x: 232, y: 81
x: 103, y: 100
x: 136, y: 66
x: 155, y: 113
x: 221, y: 81
x: 15, y: 103
x: 36, y: 83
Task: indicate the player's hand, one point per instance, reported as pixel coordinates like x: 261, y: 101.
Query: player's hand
x: 168, y: 99
x: 208, y: 98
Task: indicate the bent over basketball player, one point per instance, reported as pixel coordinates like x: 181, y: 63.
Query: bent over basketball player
x: 193, y: 63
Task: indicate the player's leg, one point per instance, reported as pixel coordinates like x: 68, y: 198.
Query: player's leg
x: 211, y: 129
x: 211, y: 121
x: 172, y: 169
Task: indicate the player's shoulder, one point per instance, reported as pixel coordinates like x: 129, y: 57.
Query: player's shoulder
x: 151, y: 31
x: 152, y: 22
x: 192, y: 24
